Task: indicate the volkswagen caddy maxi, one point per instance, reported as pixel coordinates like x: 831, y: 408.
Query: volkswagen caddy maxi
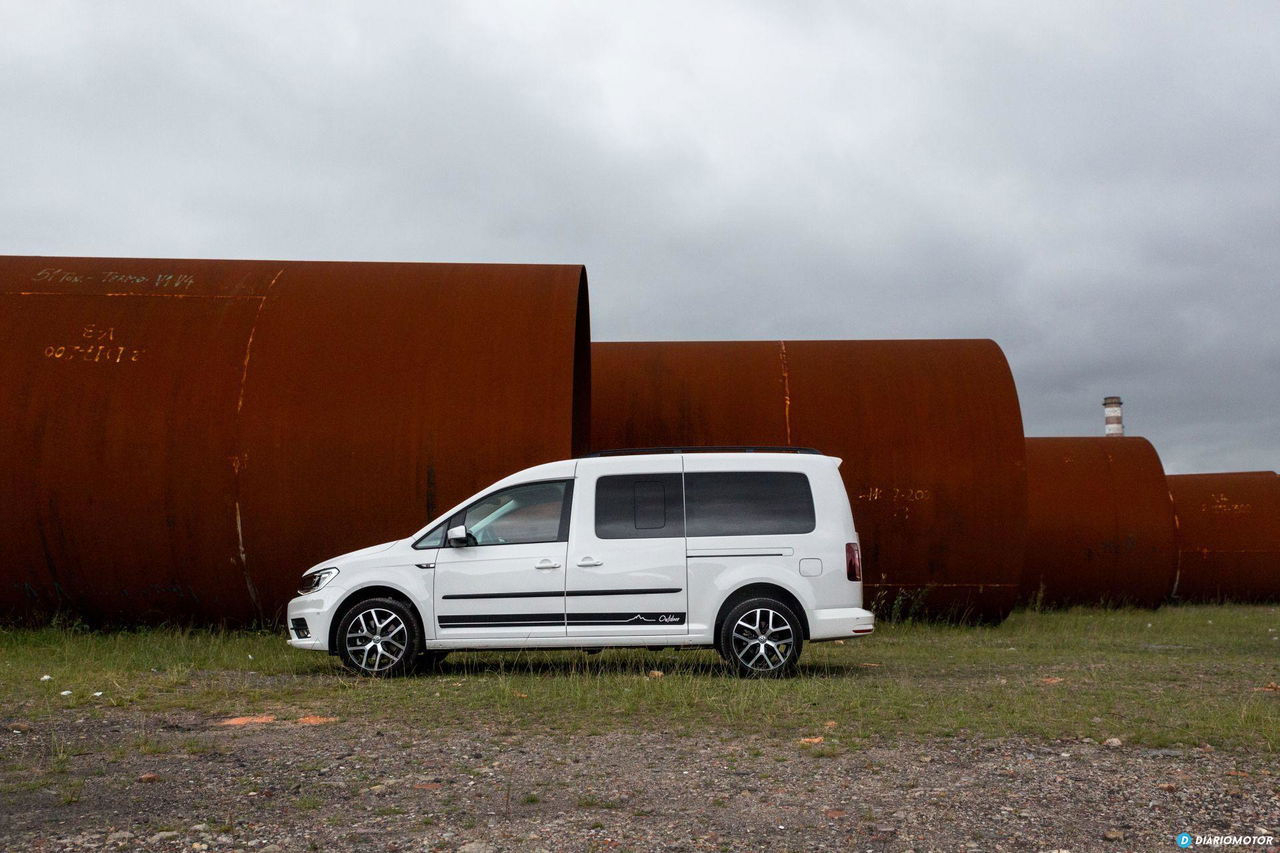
x: 751, y: 551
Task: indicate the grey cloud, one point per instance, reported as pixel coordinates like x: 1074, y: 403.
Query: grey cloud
x: 1092, y: 185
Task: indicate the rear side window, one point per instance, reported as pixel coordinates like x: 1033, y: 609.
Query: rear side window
x: 639, y: 506
x: 743, y: 503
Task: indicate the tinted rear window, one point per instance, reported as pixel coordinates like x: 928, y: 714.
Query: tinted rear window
x: 639, y: 506
x: 748, y: 503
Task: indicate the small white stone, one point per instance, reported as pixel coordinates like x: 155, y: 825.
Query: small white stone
x: 46, y: 678
x: 65, y: 693
x: 476, y: 847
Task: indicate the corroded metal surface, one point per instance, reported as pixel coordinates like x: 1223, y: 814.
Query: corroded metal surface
x: 182, y: 438
x: 1100, y: 526
x: 930, y: 433
x: 1229, y: 535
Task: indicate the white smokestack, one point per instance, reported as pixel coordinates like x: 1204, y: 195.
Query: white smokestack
x: 1112, y: 408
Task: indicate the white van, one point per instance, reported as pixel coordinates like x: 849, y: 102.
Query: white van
x: 751, y: 551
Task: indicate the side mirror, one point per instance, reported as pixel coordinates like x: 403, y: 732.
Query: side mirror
x: 457, y: 537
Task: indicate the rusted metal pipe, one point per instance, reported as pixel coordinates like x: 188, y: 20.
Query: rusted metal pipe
x: 1100, y: 525
x: 182, y: 438
x: 1229, y: 535
x: 930, y: 433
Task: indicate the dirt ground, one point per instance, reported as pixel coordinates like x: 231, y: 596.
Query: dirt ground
x: 182, y: 781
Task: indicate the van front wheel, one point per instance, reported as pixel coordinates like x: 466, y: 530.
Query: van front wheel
x: 761, y: 638
x: 379, y: 637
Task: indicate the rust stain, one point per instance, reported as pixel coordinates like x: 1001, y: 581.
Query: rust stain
x: 239, y: 464
x: 250, y: 587
x: 312, y: 720
x: 248, y: 347
x: 786, y: 388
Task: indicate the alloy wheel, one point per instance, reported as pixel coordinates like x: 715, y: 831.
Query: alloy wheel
x: 762, y: 640
x: 376, y: 640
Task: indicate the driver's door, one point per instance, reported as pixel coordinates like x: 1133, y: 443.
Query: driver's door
x: 507, y: 582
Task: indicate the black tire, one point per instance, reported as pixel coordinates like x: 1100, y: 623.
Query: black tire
x: 379, y: 637
x: 761, y: 638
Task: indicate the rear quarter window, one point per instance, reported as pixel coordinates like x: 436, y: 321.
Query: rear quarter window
x: 746, y: 503
x: 639, y: 506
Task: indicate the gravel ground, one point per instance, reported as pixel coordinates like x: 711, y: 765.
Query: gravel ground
x: 129, y: 781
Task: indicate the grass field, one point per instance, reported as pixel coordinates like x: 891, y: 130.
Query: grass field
x: 1180, y: 675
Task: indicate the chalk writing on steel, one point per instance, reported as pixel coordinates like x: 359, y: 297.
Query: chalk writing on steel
x: 1221, y: 504
x: 167, y: 282
x: 97, y: 346
x: 900, y: 499
x: 894, y: 494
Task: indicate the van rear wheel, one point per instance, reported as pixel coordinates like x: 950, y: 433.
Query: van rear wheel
x: 761, y: 638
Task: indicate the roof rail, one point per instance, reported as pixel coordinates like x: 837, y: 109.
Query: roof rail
x: 636, y: 451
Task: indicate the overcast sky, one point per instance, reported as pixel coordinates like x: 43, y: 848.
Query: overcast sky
x: 1096, y: 186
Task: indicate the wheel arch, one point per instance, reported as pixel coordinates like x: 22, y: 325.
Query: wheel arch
x: 365, y: 593
x: 754, y: 590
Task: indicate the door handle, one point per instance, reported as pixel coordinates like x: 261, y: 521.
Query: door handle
x: 587, y: 563
x: 545, y: 565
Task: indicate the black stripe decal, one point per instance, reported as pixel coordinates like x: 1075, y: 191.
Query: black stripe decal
x: 666, y: 590
x: 501, y: 620
x: 573, y: 593
x: 555, y: 624
x: 718, y: 556
x: 503, y: 595
x: 532, y: 620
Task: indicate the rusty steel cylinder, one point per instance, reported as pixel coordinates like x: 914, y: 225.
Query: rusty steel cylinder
x: 1100, y: 526
x: 930, y: 434
x: 1229, y: 536
x: 183, y: 438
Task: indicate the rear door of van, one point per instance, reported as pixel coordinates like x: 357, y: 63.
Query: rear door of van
x: 747, y: 520
x: 626, y: 570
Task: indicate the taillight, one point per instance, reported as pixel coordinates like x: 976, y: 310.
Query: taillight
x: 853, y: 561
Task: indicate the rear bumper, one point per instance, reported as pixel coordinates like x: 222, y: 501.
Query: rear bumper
x: 839, y: 623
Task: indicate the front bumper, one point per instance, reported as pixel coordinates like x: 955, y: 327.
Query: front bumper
x: 317, y: 611
x: 839, y: 623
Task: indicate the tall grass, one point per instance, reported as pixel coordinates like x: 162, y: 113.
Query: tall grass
x: 1181, y: 675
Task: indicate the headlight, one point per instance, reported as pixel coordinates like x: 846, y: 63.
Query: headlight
x: 312, y: 581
